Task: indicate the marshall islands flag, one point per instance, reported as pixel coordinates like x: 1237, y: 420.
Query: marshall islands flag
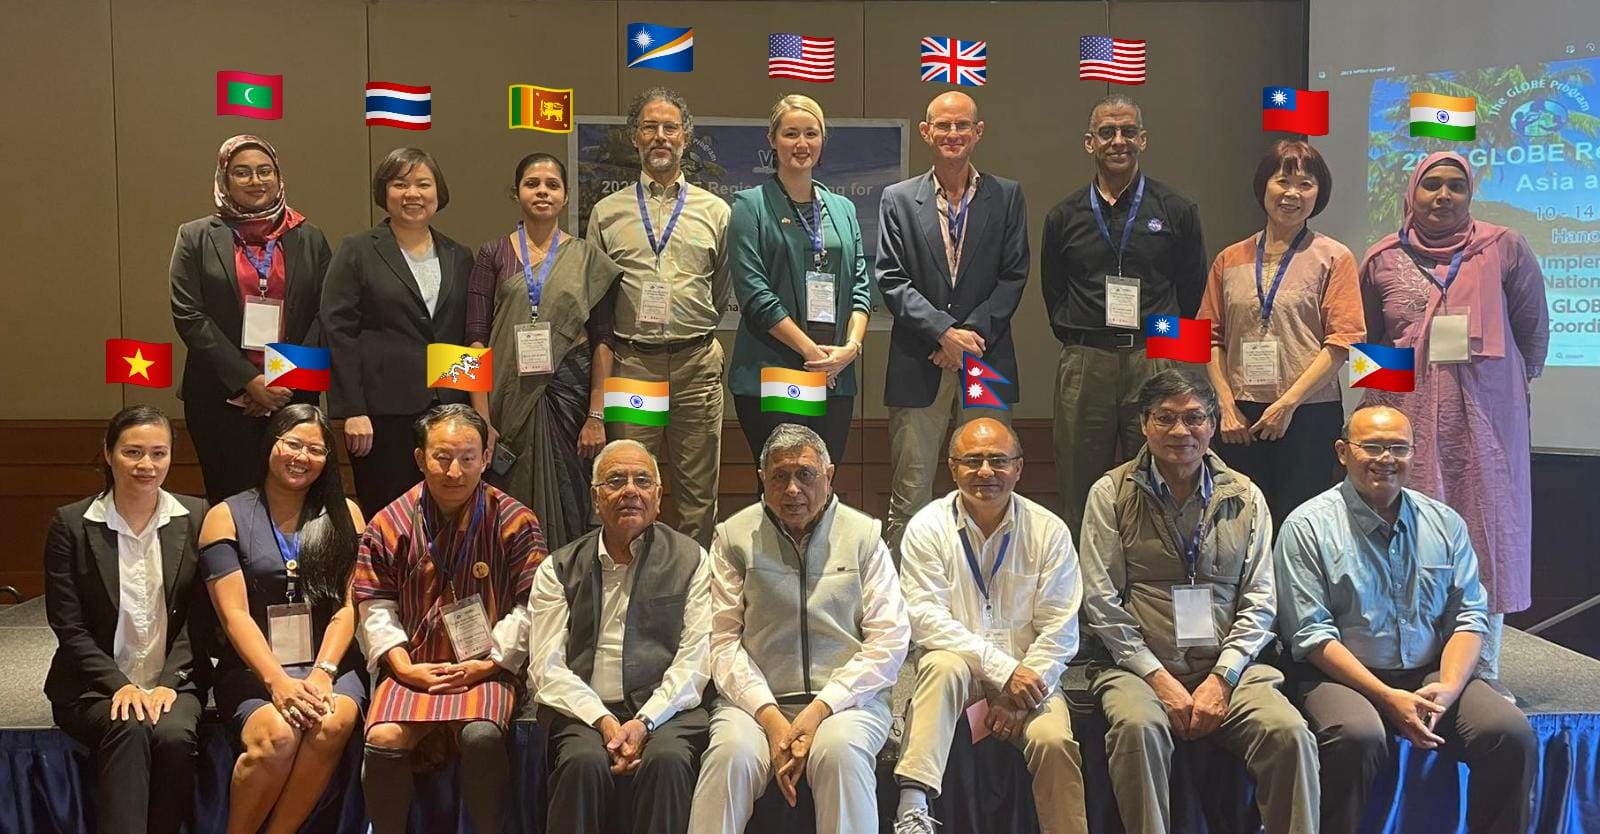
x: 399, y: 105
x: 636, y: 401
x: 794, y: 392
x: 657, y: 47
x: 293, y: 366
x: 1384, y: 368
x: 1444, y: 117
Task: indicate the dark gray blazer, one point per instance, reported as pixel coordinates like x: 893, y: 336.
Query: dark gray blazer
x: 914, y: 276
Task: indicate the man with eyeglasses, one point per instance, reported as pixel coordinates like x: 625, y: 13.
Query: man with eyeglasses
x: 618, y: 643
x: 1177, y: 568
x: 997, y: 615
x: 808, y: 631
x: 1382, y: 607
x: 1123, y: 247
x: 952, y: 261
x: 669, y: 238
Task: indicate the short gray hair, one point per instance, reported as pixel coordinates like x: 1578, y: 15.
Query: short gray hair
x: 1117, y: 100
x: 793, y: 437
x: 617, y: 446
x: 666, y: 94
x: 1171, y: 383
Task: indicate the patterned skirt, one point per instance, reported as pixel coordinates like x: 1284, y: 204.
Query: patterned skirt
x: 492, y: 700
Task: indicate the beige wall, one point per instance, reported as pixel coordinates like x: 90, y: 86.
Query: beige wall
x: 110, y: 132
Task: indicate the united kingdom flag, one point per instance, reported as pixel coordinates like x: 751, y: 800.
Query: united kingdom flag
x: 951, y: 61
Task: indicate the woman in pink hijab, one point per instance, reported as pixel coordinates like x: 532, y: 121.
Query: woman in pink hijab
x: 1469, y: 297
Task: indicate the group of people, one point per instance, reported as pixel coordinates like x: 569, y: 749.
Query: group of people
x: 512, y: 545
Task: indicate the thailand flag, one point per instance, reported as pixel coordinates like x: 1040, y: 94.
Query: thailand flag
x: 293, y: 366
x: 1175, y: 337
x: 397, y: 105
x: 1384, y: 368
x: 977, y: 384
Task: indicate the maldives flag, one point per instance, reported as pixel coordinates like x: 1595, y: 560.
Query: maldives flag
x: 1175, y: 337
x: 249, y: 94
x: 1384, y: 368
x: 1294, y: 111
x: 293, y: 366
x: 977, y: 384
x: 132, y: 362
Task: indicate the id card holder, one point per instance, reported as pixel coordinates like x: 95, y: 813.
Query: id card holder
x: 289, y: 633
x: 1448, y: 336
x: 1191, y: 616
x: 1122, y: 302
x: 533, y: 349
x: 468, y: 628
x: 263, y: 322
x: 821, y: 301
x: 653, y: 299
x: 1260, y: 360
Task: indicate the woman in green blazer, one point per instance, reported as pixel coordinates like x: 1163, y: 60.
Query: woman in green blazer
x: 803, y: 287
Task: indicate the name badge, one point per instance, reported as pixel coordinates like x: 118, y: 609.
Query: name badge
x: 263, y: 323
x: 1260, y: 360
x: 468, y: 628
x: 998, y: 637
x: 1191, y: 616
x: 533, y: 349
x: 1122, y: 302
x: 1447, y: 336
x: 820, y: 298
x: 289, y: 633
x: 653, y: 301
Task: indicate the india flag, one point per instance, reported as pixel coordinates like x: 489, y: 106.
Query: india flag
x: 795, y: 392
x: 1444, y: 117
x: 637, y: 402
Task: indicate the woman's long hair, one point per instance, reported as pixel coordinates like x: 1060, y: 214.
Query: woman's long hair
x: 325, y: 561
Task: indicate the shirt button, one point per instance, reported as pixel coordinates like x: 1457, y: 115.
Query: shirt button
x: 1402, y: 620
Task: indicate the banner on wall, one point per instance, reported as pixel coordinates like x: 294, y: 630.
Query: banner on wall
x: 861, y: 158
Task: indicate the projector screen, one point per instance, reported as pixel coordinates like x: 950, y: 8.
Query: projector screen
x: 1534, y: 67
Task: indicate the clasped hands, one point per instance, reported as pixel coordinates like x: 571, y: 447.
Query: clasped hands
x: 444, y: 678
x: 788, y: 743
x: 1010, y: 705
x: 624, y: 743
x: 261, y: 399
x: 1195, y: 714
x: 831, y: 359
x: 953, y: 342
x: 1273, y: 425
x: 303, y: 702
x: 1416, y: 713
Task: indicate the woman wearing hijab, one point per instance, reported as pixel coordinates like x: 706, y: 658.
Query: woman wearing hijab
x: 1468, y: 296
x: 548, y: 403
x: 246, y: 275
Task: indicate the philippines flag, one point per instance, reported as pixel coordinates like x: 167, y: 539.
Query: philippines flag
x: 1384, y: 368
x: 399, y: 105
x: 1294, y: 111
x: 977, y: 384
x: 950, y: 61
x: 293, y: 366
x: 1175, y: 337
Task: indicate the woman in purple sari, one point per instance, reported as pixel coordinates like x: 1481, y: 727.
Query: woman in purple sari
x: 1469, y: 297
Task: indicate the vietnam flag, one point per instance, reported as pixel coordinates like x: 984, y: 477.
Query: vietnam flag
x: 977, y: 384
x: 461, y: 368
x: 1174, y: 337
x: 1384, y: 368
x: 132, y: 362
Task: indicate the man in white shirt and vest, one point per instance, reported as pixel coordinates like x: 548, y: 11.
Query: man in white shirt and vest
x: 808, y: 631
x: 991, y: 582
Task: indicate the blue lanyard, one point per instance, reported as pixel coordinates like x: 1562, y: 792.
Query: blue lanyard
x: 1269, y: 297
x: 1191, y: 548
x: 289, y: 551
x: 446, y: 567
x: 263, y: 265
x: 972, y: 558
x: 1450, y: 274
x: 957, y: 220
x: 672, y: 222
x: 536, y: 288
x: 812, y: 229
x: 1127, y: 227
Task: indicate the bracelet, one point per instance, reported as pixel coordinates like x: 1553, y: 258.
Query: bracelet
x: 332, y: 670
x: 596, y: 415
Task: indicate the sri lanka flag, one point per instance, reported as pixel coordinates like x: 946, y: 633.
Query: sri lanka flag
x: 293, y: 366
x: 977, y: 384
x: 1384, y: 368
x: 1175, y: 337
x: 666, y: 48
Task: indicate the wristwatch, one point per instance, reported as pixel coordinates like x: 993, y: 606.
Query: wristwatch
x: 649, y: 726
x: 596, y: 415
x: 1231, y: 676
x: 331, y: 669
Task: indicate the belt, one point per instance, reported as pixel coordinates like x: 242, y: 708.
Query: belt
x: 1104, y: 339
x: 668, y: 347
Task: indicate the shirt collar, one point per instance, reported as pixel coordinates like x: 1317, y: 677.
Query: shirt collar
x: 104, y: 511
x: 1007, y: 523
x: 1368, y: 520
x: 655, y: 189
x: 972, y: 180
x: 1207, y: 481
x: 607, y: 563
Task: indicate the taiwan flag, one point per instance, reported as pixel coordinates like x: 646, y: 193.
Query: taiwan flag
x: 1294, y: 111
x: 1174, y: 337
x: 977, y: 384
x: 293, y: 366
x: 1384, y: 368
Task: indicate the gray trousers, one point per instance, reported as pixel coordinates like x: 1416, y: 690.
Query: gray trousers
x: 917, y: 448
x: 1097, y: 407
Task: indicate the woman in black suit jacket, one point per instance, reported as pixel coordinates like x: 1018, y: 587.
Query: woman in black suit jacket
x: 391, y: 291
x: 254, y: 247
x: 122, y: 583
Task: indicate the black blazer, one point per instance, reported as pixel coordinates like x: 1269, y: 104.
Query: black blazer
x: 374, y: 319
x: 207, y: 313
x: 82, y: 593
x: 914, y: 276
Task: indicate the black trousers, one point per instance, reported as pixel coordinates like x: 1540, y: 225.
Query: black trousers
x: 758, y: 425
x: 1295, y: 467
x: 386, y: 472
x: 1481, y: 728
x: 132, y: 756
x: 582, y: 787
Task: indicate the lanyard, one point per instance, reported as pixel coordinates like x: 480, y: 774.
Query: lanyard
x: 812, y: 229
x: 957, y: 221
x: 672, y: 222
x: 972, y: 558
x: 446, y: 567
x: 1450, y: 274
x: 263, y: 265
x: 1191, y: 548
x: 536, y: 288
x: 289, y: 551
x: 1269, y: 297
x: 1127, y: 227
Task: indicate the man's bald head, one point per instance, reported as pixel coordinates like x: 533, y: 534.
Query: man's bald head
x: 953, y: 105
x: 1376, y: 419
x: 984, y: 431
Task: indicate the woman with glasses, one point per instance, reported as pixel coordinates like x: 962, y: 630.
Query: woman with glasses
x: 533, y: 298
x: 1285, y: 307
x: 242, y: 277
x: 1469, y: 298
x: 278, y: 559
x: 804, y: 293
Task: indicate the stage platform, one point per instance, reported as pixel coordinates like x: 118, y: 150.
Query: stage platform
x: 46, y: 781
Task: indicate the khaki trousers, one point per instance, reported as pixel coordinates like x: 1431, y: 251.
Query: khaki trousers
x: 1261, y: 727
x: 1097, y: 405
x: 917, y: 448
x: 689, y: 447
x: 945, y: 688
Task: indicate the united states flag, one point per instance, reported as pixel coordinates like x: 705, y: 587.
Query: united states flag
x: 799, y: 56
x: 1118, y: 60
x: 949, y: 61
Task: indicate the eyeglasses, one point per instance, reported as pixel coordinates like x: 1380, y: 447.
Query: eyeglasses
x: 295, y: 447
x: 619, y: 482
x: 1168, y: 419
x: 264, y: 173
x: 1399, y: 451
x: 942, y: 128
x: 667, y: 129
x: 998, y: 463
x: 1109, y: 132
x: 805, y: 476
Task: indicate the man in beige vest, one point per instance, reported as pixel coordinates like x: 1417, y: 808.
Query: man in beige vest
x: 1178, y: 587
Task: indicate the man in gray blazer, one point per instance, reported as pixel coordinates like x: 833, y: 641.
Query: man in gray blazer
x: 952, y: 262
